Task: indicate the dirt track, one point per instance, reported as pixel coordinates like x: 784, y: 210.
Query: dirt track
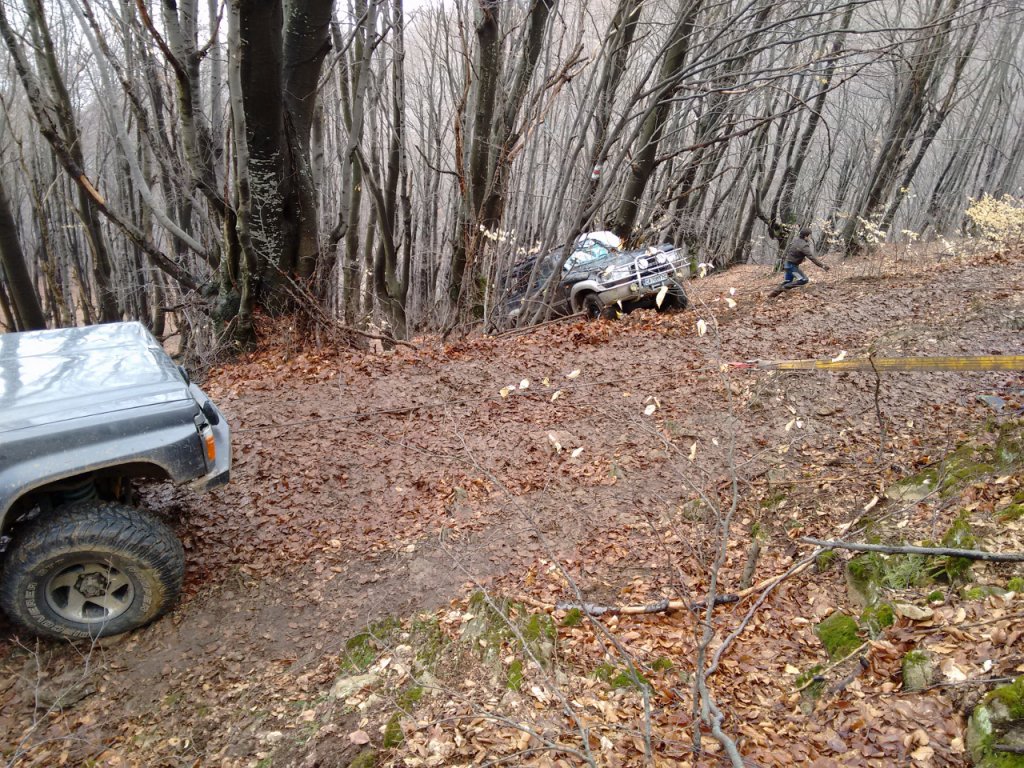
x: 377, y: 485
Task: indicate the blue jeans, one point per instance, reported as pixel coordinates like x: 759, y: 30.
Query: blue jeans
x: 794, y: 271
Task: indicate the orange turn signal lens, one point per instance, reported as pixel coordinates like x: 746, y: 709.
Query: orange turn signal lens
x: 211, y: 447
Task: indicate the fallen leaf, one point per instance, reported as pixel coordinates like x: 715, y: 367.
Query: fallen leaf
x: 557, y: 394
x: 650, y: 409
x: 702, y: 327
x: 576, y: 452
x: 661, y: 295
x: 923, y: 754
x: 524, y: 384
x: 731, y: 303
x: 951, y: 671
x: 693, y: 452
x: 573, y: 374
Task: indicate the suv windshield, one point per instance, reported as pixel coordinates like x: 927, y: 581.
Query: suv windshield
x: 586, y: 252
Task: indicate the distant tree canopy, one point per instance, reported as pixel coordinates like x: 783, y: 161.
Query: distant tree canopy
x: 377, y: 165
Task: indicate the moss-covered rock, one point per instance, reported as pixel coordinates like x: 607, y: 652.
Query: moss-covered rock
x: 1009, y: 448
x: 1016, y: 584
x: 969, y: 463
x: 427, y: 640
x: 621, y: 676
x: 367, y: 759
x: 489, y: 628
x: 981, y: 591
x: 573, y: 618
x: 514, y: 675
x: 811, y: 685
x: 345, y: 686
x: 825, y: 560
x: 998, y: 721
x: 864, y: 580
x: 918, y: 670
x: 393, y: 734
x: 913, y: 488
x: 838, y: 633
x: 1011, y: 513
x: 362, y: 650
x: 876, y: 618
x: 867, y: 575
x: 960, y: 535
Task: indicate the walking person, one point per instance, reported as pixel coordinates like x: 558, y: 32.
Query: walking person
x: 797, y: 251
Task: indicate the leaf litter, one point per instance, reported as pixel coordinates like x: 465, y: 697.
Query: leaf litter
x: 374, y: 486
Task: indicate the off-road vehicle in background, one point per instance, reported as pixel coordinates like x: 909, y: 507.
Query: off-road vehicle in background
x: 601, y: 279
x: 83, y: 413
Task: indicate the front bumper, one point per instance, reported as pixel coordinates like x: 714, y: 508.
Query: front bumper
x: 634, y: 290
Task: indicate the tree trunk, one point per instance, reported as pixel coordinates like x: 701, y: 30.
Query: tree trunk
x: 645, y: 157
x: 474, y: 182
x: 306, y: 43
x: 23, y: 296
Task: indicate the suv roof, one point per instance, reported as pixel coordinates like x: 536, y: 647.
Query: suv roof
x: 51, y: 376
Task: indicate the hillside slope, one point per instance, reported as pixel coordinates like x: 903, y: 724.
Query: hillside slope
x: 445, y: 498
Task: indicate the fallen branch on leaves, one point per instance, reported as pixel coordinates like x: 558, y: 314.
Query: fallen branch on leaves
x: 964, y: 683
x: 666, y: 605
x: 661, y: 606
x: 596, y: 609
x: 1012, y: 749
x: 970, y: 554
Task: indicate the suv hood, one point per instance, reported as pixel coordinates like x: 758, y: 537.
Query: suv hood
x: 52, y: 376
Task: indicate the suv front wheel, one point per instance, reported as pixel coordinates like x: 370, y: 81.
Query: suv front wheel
x: 91, y: 569
x: 675, y: 299
x: 596, y: 309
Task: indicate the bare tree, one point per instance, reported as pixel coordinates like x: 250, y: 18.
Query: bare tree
x: 27, y: 314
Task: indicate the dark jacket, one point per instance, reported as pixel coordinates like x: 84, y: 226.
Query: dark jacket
x: 799, y: 250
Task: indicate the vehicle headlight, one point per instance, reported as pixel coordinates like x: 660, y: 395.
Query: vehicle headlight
x: 660, y: 258
x: 642, y: 263
x: 617, y: 273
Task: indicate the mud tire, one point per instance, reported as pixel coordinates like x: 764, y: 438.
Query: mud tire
x: 91, y: 569
x: 595, y: 309
x: 675, y: 301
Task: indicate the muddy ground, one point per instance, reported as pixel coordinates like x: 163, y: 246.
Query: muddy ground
x: 382, y: 485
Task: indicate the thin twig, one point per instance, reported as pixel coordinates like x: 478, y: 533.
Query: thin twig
x: 878, y: 410
x: 833, y: 665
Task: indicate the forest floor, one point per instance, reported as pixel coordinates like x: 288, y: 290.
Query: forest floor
x: 373, y: 584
